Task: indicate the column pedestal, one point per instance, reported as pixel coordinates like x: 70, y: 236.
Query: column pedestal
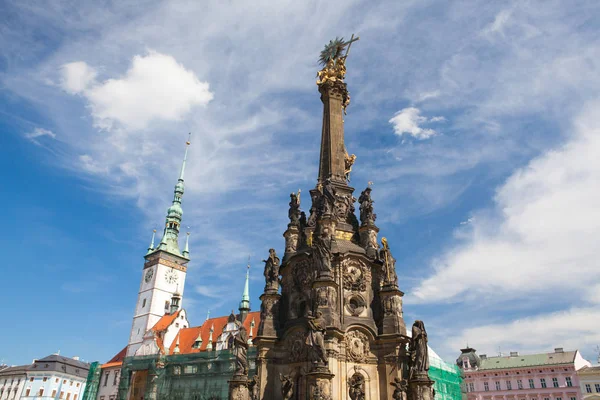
x: 420, y: 387
x: 318, y: 383
x: 391, y: 302
x: 238, y: 388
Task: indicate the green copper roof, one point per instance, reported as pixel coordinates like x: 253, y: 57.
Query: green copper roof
x: 245, y: 303
x: 528, y: 360
x: 170, y: 238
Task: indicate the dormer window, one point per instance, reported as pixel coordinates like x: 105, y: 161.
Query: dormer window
x: 466, y: 363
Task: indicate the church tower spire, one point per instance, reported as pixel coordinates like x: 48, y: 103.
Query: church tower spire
x: 170, y: 239
x: 245, y: 303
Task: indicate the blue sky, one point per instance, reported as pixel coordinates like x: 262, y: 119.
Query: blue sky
x: 476, y: 122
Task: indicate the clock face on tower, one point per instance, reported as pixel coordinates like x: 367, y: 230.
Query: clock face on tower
x: 149, y: 275
x: 171, y: 276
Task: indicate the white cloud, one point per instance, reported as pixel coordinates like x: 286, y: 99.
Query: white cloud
x: 156, y: 87
x: 409, y: 120
x: 39, y: 132
x: 77, y: 77
x: 541, y: 236
x: 576, y: 328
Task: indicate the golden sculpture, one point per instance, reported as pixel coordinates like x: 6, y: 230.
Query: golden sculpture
x: 348, y: 162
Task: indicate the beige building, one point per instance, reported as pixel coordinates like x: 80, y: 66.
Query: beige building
x: 589, y: 381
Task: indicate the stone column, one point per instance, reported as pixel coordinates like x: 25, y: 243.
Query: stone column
x: 391, y: 303
x: 238, y: 388
x: 420, y: 387
x: 268, y: 313
x: 318, y: 383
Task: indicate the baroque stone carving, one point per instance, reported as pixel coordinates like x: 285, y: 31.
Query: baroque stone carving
x: 418, y: 350
x: 271, y: 271
x: 316, y: 337
x: 389, y: 264
x: 357, y: 387
x: 392, y: 305
x: 355, y: 304
x: 240, y: 343
x: 303, y: 274
x: 287, y: 386
x: 296, y: 345
x: 400, y: 388
x: 291, y: 242
x: 267, y: 308
x: 325, y: 297
x: 355, y: 274
x: 367, y: 216
x: 254, y: 388
x: 357, y: 346
x: 294, y: 212
x: 322, y: 251
x: 321, y: 390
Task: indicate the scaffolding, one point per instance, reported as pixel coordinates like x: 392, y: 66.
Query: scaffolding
x: 448, y: 379
x: 92, y: 383
x: 196, y: 376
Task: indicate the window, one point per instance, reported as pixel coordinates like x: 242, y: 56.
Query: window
x: 519, y: 384
x: 531, y: 384
x: 71, y: 383
x: 56, y: 380
x: 115, y: 379
x: 54, y: 393
x: 177, y: 370
x: 45, y: 378
x: 62, y: 395
x: 555, y: 382
x: 27, y: 392
x: 144, y: 303
x: 75, y: 397
x: 573, y: 398
x: 106, y: 378
x: 546, y: 398
x: 471, y: 387
x: 498, y: 387
x: 486, y: 387
x: 558, y: 398
x: 508, y: 385
x: 588, y: 388
x: 41, y: 392
x: 77, y: 384
x: 68, y: 396
x: 31, y: 379
x: 597, y: 386
x: 543, y: 382
x: 569, y: 382
x: 190, y: 369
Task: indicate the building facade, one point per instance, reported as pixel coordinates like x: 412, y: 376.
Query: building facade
x: 52, y: 377
x: 545, y: 376
x: 589, y: 382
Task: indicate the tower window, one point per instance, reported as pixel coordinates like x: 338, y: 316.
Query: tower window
x: 144, y: 303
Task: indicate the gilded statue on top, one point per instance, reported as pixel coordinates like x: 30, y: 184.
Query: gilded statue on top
x: 333, y: 59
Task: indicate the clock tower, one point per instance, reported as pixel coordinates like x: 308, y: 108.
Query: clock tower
x: 163, y: 275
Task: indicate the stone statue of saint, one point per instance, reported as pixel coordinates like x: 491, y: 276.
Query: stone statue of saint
x: 287, y: 386
x: 254, y: 388
x: 240, y: 345
x: 328, y: 198
x: 316, y: 336
x: 349, y: 160
x: 400, y: 387
x: 367, y: 216
x: 389, y: 264
x: 271, y: 270
x: 322, y: 251
x: 418, y: 349
x: 294, y: 212
x: 357, y: 387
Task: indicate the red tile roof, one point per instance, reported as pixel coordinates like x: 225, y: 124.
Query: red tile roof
x: 164, y: 321
x: 116, y: 360
x: 188, y: 336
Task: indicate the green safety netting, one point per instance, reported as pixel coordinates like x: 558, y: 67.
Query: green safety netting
x: 448, y: 380
x: 92, y: 383
x: 196, y: 376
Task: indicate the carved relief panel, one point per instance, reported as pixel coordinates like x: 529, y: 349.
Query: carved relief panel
x: 358, y: 347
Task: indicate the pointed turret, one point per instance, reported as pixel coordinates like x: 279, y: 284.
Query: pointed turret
x: 245, y: 303
x: 170, y: 239
x: 151, y: 247
x: 186, y: 250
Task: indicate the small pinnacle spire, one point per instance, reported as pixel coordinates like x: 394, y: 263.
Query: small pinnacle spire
x: 186, y: 250
x: 245, y: 303
x: 170, y: 239
x: 151, y: 247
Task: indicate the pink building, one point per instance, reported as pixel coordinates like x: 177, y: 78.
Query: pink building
x: 546, y: 376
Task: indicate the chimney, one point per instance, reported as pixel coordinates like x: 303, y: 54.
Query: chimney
x: 514, y: 353
x: 483, y: 356
x: 558, y: 350
x: 76, y: 358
